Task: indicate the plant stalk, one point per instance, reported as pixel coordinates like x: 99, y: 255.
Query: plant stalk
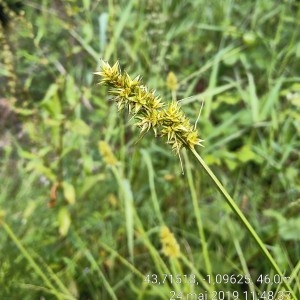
x: 244, y: 220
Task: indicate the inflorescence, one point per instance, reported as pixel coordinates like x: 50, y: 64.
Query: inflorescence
x: 148, y: 109
x: 170, y: 247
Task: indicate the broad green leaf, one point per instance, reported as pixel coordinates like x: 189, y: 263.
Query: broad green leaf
x: 38, y: 166
x: 246, y: 154
x: 51, y: 101
x: 64, y: 221
x: 212, y: 160
x: 289, y: 229
x: 69, y: 192
x: 231, y: 164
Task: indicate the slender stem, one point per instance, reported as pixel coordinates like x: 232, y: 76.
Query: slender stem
x: 244, y: 220
x: 35, y: 266
x: 198, y: 215
x: 153, y: 194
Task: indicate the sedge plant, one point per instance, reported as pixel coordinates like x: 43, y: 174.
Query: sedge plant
x: 168, y: 121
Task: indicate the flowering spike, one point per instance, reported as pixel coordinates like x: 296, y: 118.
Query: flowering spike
x: 170, y: 247
x: 148, y: 109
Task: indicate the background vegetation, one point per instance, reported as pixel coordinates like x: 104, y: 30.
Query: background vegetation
x: 78, y: 224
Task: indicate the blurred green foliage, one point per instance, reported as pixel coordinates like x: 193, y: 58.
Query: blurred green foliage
x: 62, y: 200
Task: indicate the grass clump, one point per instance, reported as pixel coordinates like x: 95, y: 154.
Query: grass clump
x: 85, y: 222
x: 173, y: 123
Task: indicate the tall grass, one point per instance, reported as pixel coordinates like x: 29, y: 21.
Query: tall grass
x: 80, y: 223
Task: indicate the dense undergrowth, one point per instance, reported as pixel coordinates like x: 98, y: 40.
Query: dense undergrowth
x: 83, y: 200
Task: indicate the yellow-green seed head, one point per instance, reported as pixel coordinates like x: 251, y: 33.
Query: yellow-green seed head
x: 148, y: 109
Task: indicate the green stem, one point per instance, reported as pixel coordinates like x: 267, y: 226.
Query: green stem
x: 35, y: 266
x: 198, y: 215
x: 243, y: 219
